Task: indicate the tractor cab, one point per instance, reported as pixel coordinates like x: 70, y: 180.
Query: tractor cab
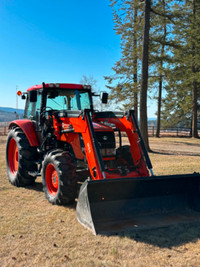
x: 57, y: 97
x: 52, y: 107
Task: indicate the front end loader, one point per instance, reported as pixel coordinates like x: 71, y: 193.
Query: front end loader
x: 98, y: 158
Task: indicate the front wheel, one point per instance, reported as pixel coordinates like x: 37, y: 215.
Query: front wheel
x: 59, y: 177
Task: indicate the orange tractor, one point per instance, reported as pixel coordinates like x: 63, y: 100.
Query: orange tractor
x: 81, y: 154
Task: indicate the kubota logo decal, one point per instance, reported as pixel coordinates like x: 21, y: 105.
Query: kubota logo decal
x: 89, y: 149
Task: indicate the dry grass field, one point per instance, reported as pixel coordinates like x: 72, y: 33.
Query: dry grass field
x: 35, y: 233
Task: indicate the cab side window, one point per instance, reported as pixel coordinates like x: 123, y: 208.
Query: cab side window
x: 32, y: 107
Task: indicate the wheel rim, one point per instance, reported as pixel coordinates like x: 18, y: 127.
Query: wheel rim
x: 52, y: 180
x: 13, y: 156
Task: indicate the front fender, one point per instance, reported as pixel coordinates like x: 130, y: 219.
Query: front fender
x: 28, y: 129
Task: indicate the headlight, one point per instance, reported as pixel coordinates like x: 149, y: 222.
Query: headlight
x: 108, y: 152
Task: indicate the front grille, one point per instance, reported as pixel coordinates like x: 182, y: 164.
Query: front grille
x: 106, y: 139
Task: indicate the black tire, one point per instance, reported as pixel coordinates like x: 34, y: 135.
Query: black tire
x: 20, y: 159
x: 59, y: 177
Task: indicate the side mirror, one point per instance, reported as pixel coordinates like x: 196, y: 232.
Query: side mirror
x: 104, y: 98
x: 33, y: 96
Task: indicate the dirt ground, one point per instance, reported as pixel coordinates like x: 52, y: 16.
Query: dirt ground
x: 36, y: 233
x: 175, y: 146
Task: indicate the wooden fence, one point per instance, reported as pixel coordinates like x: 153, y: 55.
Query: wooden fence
x: 4, y: 128
x: 176, y: 131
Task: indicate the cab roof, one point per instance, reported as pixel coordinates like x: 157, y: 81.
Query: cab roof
x: 60, y: 85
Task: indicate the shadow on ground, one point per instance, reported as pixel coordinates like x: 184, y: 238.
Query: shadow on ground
x: 187, y: 144
x: 168, y: 237
x: 165, y: 237
x: 174, y: 153
x: 37, y: 186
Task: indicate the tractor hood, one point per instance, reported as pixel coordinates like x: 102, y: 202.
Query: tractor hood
x: 99, y: 127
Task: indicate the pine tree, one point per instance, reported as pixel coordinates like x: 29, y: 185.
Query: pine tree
x: 160, y: 50
x: 184, y: 77
x: 129, y: 21
x: 125, y: 84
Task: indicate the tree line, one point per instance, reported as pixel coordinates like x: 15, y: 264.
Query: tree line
x: 160, y: 56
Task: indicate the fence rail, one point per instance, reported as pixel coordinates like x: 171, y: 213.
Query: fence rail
x: 4, y: 128
x: 176, y: 131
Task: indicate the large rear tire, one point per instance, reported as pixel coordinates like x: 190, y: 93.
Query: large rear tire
x: 20, y: 159
x: 59, y: 177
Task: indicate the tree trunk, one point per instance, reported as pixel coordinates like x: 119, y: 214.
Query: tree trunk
x: 145, y: 66
x: 194, y: 84
x: 135, y: 69
x: 194, y: 111
x: 136, y: 103
x: 161, y: 77
x: 159, y: 107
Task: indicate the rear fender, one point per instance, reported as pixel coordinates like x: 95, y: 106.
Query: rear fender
x: 27, y: 128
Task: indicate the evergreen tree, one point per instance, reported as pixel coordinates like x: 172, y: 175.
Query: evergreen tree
x: 174, y: 53
x: 129, y: 20
x: 160, y: 50
x: 184, y: 77
x: 124, y: 84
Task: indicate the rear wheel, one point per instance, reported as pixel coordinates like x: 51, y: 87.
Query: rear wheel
x: 59, y: 177
x: 20, y: 159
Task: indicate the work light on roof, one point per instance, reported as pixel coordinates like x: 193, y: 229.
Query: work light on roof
x: 87, y: 87
x: 51, y: 85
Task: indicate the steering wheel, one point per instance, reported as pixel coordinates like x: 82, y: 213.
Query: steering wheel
x: 48, y: 115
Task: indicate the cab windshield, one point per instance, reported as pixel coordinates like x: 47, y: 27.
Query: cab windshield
x: 65, y: 99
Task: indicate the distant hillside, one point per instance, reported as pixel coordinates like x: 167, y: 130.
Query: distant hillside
x: 12, y: 110
x: 9, y: 114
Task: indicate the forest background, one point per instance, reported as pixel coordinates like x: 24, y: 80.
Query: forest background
x: 160, y: 56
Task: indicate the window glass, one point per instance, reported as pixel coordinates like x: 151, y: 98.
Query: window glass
x: 33, y: 107
x: 57, y: 103
x: 84, y: 100
x: 28, y: 108
x: 38, y: 103
x: 67, y: 99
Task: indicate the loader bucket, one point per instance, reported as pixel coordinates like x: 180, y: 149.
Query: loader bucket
x: 113, y: 205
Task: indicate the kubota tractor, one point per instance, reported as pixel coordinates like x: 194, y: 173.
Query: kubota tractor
x: 80, y: 154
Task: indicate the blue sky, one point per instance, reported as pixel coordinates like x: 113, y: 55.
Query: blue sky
x: 54, y: 41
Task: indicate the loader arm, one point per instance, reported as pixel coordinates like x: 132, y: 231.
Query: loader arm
x: 126, y: 122
x: 142, y: 144
x: 81, y: 123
